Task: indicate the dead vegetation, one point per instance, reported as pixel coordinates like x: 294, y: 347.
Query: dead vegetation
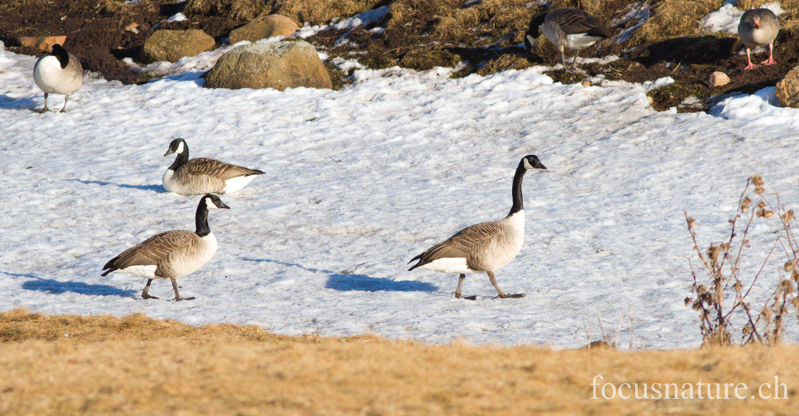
x: 673, y: 18
x: 239, y: 10
x: 728, y: 286
x: 56, y: 365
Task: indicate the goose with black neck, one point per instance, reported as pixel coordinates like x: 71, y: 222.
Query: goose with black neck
x: 203, y: 175
x: 171, y: 254
x: 485, y: 247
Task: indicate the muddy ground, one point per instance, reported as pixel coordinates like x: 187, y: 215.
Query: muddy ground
x: 99, y: 34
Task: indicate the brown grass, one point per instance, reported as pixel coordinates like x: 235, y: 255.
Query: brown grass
x: 320, y: 11
x: 140, y: 366
x: 239, y: 10
x: 673, y: 18
x: 488, y: 19
x: 504, y: 62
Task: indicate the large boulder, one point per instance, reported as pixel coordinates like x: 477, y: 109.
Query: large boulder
x: 171, y: 45
x: 787, y: 90
x: 279, y: 65
x: 264, y: 27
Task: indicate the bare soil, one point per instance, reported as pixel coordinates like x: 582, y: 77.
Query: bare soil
x: 419, y: 34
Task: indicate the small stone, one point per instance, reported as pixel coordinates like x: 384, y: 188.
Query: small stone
x: 133, y: 27
x: 787, y: 90
x: 586, y: 83
x: 718, y: 79
x: 43, y: 43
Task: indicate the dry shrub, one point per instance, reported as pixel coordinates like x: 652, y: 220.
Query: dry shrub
x: 410, y: 19
x: 491, y: 19
x: 239, y: 10
x: 673, y: 18
x: 422, y: 59
x: 407, y: 11
x: 504, y: 62
x: 318, y: 12
x: 728, y: 289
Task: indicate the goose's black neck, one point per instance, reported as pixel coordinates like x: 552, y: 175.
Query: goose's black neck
x: 518, y: 198
x: 534, y: 29
x: 201, y: 219
x: 181, y: 158
x: 62, y: 55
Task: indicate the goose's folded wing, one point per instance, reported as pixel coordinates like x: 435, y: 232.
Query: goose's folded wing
x: 573, y: 21
x: 462, y: 243
x: 151, y: 251
x: 211, y: 167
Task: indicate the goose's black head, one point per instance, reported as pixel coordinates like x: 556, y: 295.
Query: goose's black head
x: 534, y: 30
x: 532, y: 162
x: 59, y: 52
x: 178, y: 146
x: 213, y: 202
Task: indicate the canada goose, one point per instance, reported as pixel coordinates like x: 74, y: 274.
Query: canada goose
x: 566, y: 28
x: 171, y: 254
x: 58, y: 72
x: 759, y: 27
x: 484, y: 247
x: 203, y: 175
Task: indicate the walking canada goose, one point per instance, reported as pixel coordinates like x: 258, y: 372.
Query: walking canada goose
x: 484, y: 247
x: 58, y: 72
x: 566, y: 28
x: 203, y: 175
x: 171, y: 254
x: 759, y: 27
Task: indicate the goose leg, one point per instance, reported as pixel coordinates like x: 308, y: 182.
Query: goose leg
x: 499, y: 291
x: 563, y: 62
x: 45, y: 109
x: 770, y: 60
x: 177, y: 295
x: 144, y: 293
x: 458, y: 290
x: 66, y: 98
x: 574, y: 61
x: 749, y: 58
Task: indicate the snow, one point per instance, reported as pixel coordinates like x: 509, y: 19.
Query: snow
x: 360, y: 180
x: 349, y: 23
x: 636, y: 11
x: 726, y: 18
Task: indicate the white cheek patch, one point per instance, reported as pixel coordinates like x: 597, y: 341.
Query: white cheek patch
x: 210, y: 204
x: 180, y: 148
x: 527, y: 164
x: 531, y: 40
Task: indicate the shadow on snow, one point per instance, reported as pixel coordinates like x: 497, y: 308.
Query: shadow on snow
x: 155, y: 188
x: 55, y: 287
x: 345, y: 282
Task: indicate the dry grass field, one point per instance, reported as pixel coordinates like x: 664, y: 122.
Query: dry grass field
x: 64, y: 365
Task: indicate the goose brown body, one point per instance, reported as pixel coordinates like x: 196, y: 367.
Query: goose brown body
x: 171, y: 254
x: 566, y: 28
x: 203, y: 175
x: 485, y: 247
